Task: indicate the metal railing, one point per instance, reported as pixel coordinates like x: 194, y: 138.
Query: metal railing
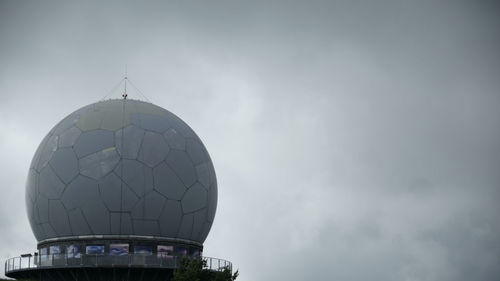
x: 85, y: 260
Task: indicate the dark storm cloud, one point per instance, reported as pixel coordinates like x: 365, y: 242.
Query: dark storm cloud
x: 352, y: 140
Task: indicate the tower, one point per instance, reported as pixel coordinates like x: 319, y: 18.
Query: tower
x: 118, y: 190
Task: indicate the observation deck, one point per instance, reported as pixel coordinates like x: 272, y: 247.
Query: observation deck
x: 131, y: 266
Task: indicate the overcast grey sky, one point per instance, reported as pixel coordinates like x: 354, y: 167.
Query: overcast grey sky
x: 352, y: 140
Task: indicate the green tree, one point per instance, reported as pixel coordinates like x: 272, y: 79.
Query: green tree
x: 194, y: 269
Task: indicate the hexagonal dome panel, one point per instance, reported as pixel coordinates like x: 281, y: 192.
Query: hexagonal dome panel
x: 121, y: 167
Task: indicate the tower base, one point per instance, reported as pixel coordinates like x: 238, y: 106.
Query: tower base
x: 93, y: 274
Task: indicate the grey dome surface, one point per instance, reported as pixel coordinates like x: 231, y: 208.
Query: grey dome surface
x: 121, y: 167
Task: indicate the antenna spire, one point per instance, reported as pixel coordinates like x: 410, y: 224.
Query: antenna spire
x: 125, y: 95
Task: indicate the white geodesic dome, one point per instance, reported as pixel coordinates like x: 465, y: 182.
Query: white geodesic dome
x: 121, y: 167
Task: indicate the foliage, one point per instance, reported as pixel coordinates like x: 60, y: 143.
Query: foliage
x: 194, y: 269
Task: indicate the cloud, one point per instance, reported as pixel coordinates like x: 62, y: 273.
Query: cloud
x: 352, y: 140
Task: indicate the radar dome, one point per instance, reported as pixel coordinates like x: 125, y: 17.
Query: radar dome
x: 121, y: 168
